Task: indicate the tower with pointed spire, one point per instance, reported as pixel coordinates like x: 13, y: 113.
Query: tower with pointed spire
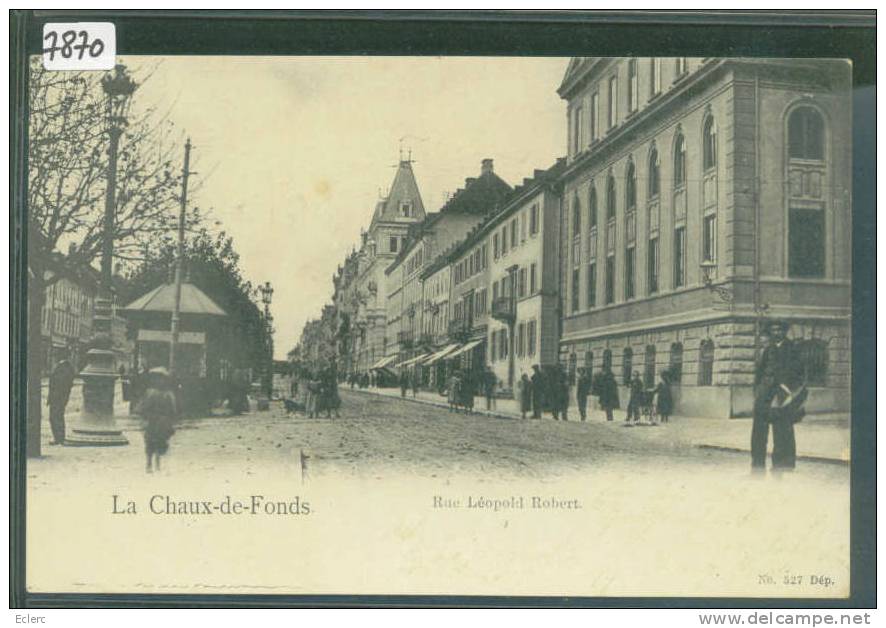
x: 392, y: 217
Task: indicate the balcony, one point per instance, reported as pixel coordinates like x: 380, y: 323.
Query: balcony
x: 404, y: 339
x: 504, y: 309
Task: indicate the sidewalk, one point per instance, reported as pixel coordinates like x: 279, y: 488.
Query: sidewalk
x: 820, y: 438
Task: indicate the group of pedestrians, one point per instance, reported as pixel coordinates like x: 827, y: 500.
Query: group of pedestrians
x: 460, y: 390
x: 321, y: 393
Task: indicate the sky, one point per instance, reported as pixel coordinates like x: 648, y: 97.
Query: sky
x: 291, y: 153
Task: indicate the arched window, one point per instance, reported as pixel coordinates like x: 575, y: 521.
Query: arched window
x: 630, y: 188
x: 592, y: 208
x: 576, y: 216
x: 806, y: 134
x: 706, y: 363
x: 709, y: 137
x: 679, y: 162
x: 627, y: 365
x: 675, y: 367
x: 807, y: 236
x: 654, y: 178
x: 813, y: 355
x: 607, y: 359
x: 649, y: 366
x: 610, y: 198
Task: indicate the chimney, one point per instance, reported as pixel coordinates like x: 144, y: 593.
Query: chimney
x: 469, y: 181
x: 486, y: 167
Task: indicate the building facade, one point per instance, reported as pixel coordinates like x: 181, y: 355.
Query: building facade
x: 481, y: 197
x: 381, y: 243
x: 703, y: 197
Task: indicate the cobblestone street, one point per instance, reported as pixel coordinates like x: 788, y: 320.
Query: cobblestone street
x: 380, y: 436
x: 645, y: 495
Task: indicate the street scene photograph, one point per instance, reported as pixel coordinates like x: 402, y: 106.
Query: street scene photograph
x: 401, y: 325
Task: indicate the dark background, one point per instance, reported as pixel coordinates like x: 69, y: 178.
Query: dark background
x: 846, y: 35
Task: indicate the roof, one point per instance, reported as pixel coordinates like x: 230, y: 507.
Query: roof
x: 162, y: 299
x: 479, y: 196
x: 403, y: 189
x: 518, y: 195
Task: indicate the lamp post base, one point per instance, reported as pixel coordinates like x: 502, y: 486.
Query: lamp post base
x: 96, y: 426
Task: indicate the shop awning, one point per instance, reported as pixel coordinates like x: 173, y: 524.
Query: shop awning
x: 465, y: 348
x: 441, y: 354
x: 383, y: 362
x: 414, y: 360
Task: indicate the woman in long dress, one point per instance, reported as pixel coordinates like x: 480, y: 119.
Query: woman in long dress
x: 158, y: 412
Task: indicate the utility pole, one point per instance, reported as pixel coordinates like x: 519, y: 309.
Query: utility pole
x: 179, y: 260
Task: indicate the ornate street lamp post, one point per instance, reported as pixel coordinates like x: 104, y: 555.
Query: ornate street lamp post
x: 96, y: 425
x: 267, y: 292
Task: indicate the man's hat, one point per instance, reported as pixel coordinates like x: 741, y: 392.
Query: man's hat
x: 785, y: 325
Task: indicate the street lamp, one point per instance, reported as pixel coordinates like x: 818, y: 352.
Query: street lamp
x: 96, y: 425
x: 267, y: 292
x: 724, y: 294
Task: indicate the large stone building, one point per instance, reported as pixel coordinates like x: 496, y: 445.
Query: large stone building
x: 703, y: 197
x: 406, y: 307
x: 505, y: 277
x: 381, y: 243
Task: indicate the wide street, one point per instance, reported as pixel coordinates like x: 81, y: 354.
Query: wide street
x: 638, y: 511
x: 382, y: 437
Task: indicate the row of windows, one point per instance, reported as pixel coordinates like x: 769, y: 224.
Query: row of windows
x: 415, y: 261
x: 577, y: 136
x: 514, y: 233
x: 813, y: 352
x: 525, y: 345
x: 709, y: 161
x: 523, y: 284
x: 653, y: 255
x: 473, y: 264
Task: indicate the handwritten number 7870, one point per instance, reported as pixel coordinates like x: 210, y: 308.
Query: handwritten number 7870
x: 68, y: 47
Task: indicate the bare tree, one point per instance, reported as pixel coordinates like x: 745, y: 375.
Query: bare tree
x: 67, y: 175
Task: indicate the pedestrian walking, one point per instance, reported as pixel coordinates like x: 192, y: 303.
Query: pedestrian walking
x: 664, y: 402
x: 312, y: 403
x: 562, y: 382
x: 524, y: 394
x: 158, y: 410
x: 606, y: 390
x: 61, y: 380
x: 777, y: 381
x: 538, y: 390
x: 404, y: 382
x: 582, y: 390
x: 636, y: 399
x: 332, y: 400
x: 468, y: 389
x: 453, y: 394
x: 489, y: 382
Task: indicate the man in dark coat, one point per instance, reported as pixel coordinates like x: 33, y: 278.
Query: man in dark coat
x: 776, y: 376
x: 404, y: 382
x: 559, y: 393
x: 635, y: 402
x: 538, y: 385
x: 607, y: 391
x: 60, y: 383
x: 582, y: 390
